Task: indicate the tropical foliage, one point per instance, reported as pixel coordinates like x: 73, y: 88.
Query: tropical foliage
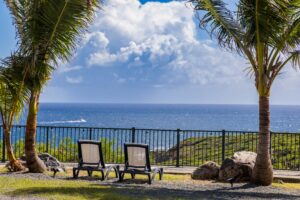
x: 48, y: 32
x: 267, y: 34
x: 13, y: 96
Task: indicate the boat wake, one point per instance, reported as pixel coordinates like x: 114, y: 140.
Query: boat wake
x: 65, y: 122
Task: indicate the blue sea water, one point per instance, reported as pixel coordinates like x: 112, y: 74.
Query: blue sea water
x: 167, y: 116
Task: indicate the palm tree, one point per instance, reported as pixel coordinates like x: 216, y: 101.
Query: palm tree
x: 13, y: 96
x: 48, y: 32
x: 267, y: 33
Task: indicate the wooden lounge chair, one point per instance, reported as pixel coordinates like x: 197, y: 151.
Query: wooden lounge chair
x: 137, y: 161
x: 91, y: 159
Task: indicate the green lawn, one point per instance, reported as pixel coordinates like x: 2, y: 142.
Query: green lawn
x: 287, y: 185
x: 77, y: 189
x: 57, y: 189
x: 80, y: 190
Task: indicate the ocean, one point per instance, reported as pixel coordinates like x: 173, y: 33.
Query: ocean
x: 166, y: 116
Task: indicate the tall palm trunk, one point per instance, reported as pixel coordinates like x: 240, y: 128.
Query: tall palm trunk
x: 15, y: 164
x: 263, y: 170
x: 34, y: 164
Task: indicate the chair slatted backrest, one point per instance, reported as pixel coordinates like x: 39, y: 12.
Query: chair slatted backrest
x: 137, y: 156
x: 90, y: 153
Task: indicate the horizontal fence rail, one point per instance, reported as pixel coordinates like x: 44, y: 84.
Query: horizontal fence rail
x: 167, y: 147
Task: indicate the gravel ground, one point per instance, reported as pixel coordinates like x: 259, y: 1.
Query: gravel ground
x: 187, y: 189
x: 208, y: 190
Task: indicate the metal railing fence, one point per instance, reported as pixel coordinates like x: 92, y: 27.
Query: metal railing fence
x: 167, y: 147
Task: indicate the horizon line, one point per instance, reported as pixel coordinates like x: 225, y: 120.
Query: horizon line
x: 147, y: 103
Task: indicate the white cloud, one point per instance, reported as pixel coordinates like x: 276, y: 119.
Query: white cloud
x: 74, y: 80
x: 158, y: 35
x: 101, y: 58
x: 66, y: 68
x: 157, y: 52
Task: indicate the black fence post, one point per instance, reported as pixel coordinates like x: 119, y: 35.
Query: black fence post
x: 133, y: 135
x: 223, y: 144
x: 178, y: 148
x: 90, y: 133
x: 3, y: 145
x: 271, y: 133
x: 47, y: 139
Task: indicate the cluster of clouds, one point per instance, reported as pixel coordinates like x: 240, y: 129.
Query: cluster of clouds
x: 158, y: 43
x: 155, y: 52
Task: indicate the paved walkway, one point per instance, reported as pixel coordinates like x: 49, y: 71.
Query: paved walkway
x: 284, y: 175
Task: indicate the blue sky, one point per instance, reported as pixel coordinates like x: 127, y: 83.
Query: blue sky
x: 151, y: 52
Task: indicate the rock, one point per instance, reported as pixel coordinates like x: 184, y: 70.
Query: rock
x: 239, y: 167
x: 12, y: 168
x: 245, y: 157
x: 51, y: 162
x: 209, y: 170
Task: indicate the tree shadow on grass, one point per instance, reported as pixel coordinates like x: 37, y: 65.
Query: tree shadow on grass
x: 122, y: 192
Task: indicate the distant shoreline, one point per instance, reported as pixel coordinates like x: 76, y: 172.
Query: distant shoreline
x: 192, y: 104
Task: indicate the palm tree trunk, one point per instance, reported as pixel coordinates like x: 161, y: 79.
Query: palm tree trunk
x: 15, y: 164
x: 34, y: 164
x: 263, y: 170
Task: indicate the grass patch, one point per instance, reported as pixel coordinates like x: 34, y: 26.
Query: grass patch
x: 81, y: 189
x: 58, y: 189
x: 287, y: 185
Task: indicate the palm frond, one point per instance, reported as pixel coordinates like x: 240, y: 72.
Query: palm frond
x: 220, y: 23
x: 16, y: 9
x: 13, y: 96
x: 50, y: 31
x: 295, y: 58
x: 53, y: 27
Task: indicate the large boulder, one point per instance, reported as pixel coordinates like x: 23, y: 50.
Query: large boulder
x: 207, y: 171
x: 239, y: 167
x: 50, y: 161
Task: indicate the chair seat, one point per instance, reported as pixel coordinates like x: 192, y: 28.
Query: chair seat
x: 140, y: 171
x: 91, y: 159
x: 137, y: 161
x: 94, y: 168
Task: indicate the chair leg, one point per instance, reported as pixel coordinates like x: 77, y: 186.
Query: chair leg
x: 54, y: 173
x: 161, y: 173
x: 132, y: 175
x: 75, y: 173
x: 121, y: 176
x: 102, y: 175
x: 117, y: 169
x: 90, y: 172
x: 149, y: 179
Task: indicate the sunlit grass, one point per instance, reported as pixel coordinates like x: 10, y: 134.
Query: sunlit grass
x: 80, y: 189
x: 58, y: 189
x: 287, y: 185
x: 76, y: 189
